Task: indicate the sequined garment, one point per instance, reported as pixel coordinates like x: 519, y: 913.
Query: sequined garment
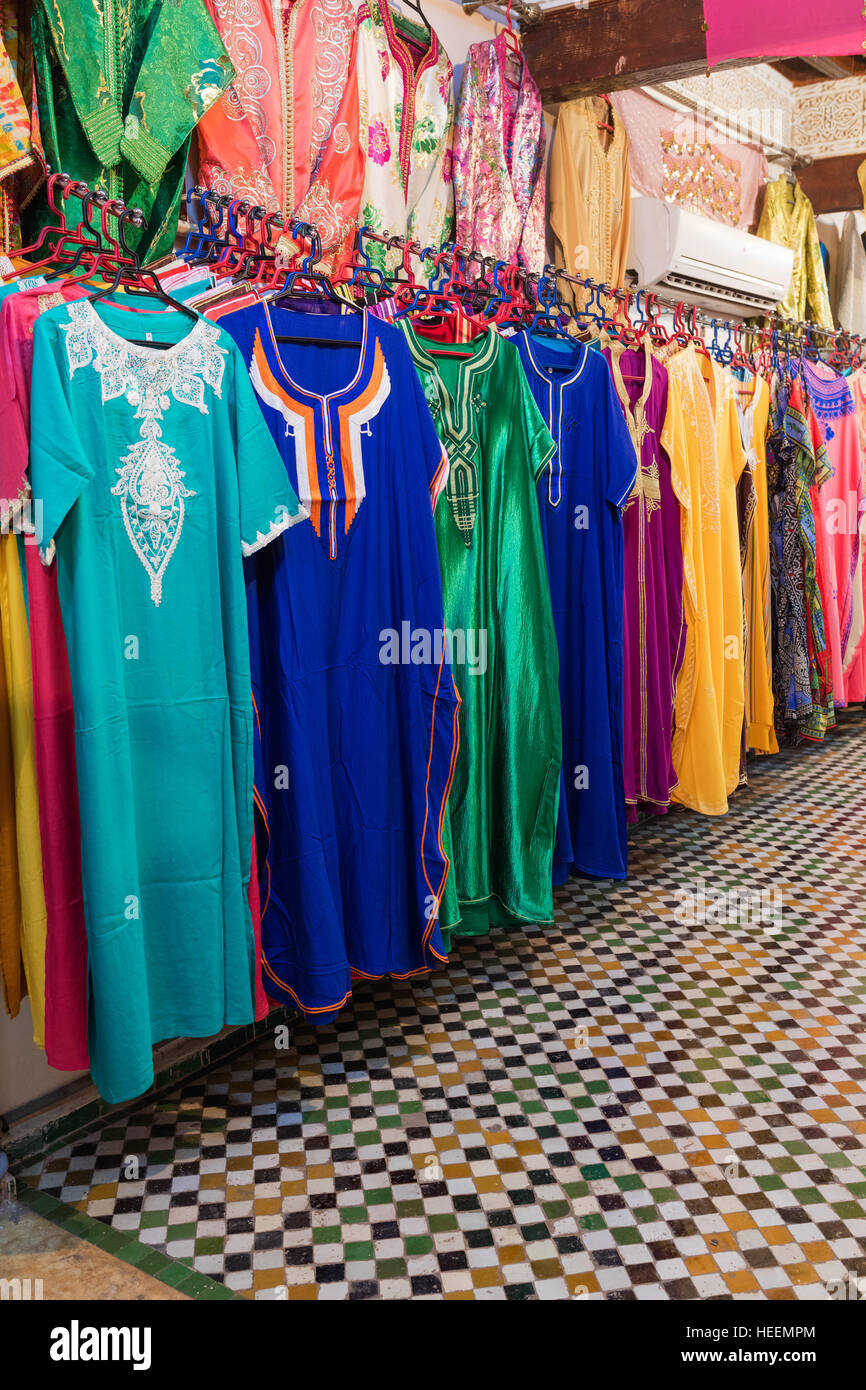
x: 499, y: 144
x: 788, y: 220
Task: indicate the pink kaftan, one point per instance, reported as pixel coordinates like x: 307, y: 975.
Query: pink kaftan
x: 499, y: 170
x: 53, y: 720
x: 854, y: 659
x: 839, y: 505
x: 286, y: 133
x: 684, y: 158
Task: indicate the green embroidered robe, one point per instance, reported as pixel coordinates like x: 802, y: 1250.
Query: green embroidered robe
x: 121, y: 84
x: 504, y: 655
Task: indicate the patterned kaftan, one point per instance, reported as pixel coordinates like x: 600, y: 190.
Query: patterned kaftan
x: 811, y: 470
x: 840, y: 502
x: 121, y: 85
x: 285, y: 134
x: 792, y: 689
x: 497, y: 603
x: 499, y: 163
x: 357, y: 711
x: 155, y: 472
x: 405, y: 81
x: 788, y: 220
x: 580, y: 494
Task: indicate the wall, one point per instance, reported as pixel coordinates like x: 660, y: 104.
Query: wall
x: 24, y: 1073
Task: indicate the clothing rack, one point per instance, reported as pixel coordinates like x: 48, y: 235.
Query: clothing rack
x: 794, y: 332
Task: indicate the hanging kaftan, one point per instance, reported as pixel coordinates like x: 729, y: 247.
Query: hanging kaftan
x: 405, y: 81
x: 121, y: 85
x: 58, y: 836
x: 580, y: 494
x: 792, y: 688
x: 840, y: 502
x: 499, y: 158
x: 497, y: 603
x: 590, y: 196
x: 285, y: 134
x: 788, y: 220
x: 21, y: 158
x: 689, y: 437
x: 15, y: 652
x: 155, y: 472
x: 654, y: 630
x: 755, y: 563
x: 854, y: 660
x: 357, y: 711
x: 811, y: 473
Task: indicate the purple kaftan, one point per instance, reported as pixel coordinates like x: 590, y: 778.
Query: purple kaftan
x: 654, y: 627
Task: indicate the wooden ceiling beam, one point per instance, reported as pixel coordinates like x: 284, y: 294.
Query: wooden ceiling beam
x: 831, y: 184
x: 613, y: 44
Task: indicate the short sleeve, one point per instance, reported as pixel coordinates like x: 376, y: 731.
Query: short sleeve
x: 268, y: 504
x: 60, y: 468
x: 540, y: 447
x: 622, y: 461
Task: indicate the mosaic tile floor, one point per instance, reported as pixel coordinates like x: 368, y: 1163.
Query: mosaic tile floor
x: 630, y: 1105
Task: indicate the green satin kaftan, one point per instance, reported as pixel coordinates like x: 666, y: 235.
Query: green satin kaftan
x: 121, y: 86
x: 504, y: 655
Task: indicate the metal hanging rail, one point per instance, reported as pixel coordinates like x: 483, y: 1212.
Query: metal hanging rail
x: 530, y: 15
x: 794, y: 328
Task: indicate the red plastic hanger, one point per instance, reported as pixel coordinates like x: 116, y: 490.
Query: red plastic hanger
x: 606, y: 125
x: 511, y: 43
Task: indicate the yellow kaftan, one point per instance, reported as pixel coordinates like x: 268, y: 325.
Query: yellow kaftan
x: 701, y: 436
x: 731, y: 460
x: 19, y: 684
x: 788, y: 220
x: 11, y: 974
x: 753, y: 408
x: 590, y: 197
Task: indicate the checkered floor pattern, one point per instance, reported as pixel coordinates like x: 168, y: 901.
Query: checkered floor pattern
x: 659, y: 1097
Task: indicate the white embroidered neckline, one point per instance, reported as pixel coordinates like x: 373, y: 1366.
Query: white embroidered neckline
x: 150, y: 480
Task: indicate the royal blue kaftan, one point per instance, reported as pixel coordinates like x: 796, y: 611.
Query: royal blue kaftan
x: 356, y: 703
x: 581, y: 493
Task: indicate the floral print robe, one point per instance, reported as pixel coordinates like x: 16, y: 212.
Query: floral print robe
x: 407, y: 114
x: 499, y: 142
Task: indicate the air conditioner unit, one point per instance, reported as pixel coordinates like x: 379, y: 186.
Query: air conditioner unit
x: 689, y: 257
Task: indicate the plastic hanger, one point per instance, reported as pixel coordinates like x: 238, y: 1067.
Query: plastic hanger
x: 63, y: 186
x: 138, y: 281
x: 512, y: 45
x: 608, y: 124
x: 310, y: 282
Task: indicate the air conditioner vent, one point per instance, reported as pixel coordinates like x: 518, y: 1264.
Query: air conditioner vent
x: 705, y: 262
